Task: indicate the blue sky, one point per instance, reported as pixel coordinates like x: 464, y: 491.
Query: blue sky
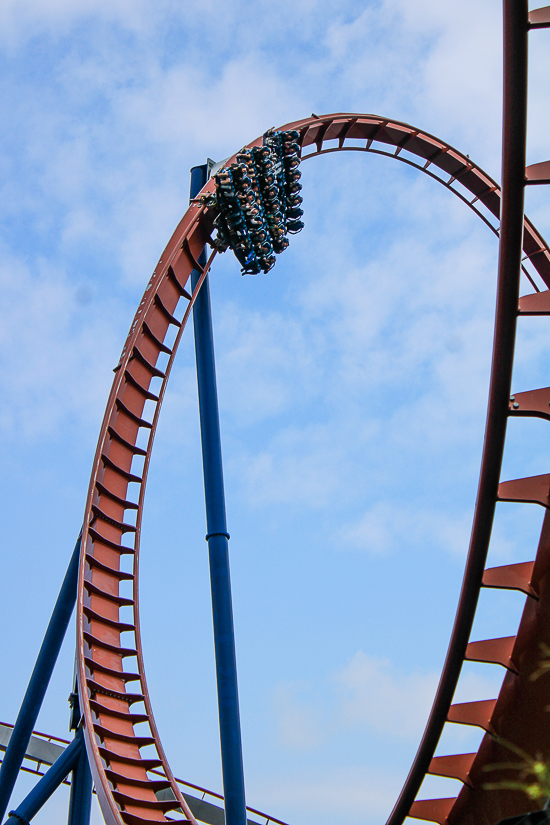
x: 352, y: 379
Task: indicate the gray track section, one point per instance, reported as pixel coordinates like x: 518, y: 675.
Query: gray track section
x: 201, y: 809
x: 39, y: 750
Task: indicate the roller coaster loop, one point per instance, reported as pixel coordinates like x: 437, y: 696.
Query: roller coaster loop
x: 113, y: 731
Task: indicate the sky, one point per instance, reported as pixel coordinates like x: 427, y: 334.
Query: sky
x: 352, y: 378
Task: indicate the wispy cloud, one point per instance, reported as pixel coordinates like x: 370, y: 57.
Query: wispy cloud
x: 299, y: 723
x: 47, y: 381
x: 385, y: 528
x: 376, y: 695
x: 351, y: 791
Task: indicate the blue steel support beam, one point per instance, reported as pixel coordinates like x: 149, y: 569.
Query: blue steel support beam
x: 38, y: 684
x: 51, y: 780
x: 80, y: 802
x: 218, y: 546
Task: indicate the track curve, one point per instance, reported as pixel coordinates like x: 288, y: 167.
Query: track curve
x: 114, y: 734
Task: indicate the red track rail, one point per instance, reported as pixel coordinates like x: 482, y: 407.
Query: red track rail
x: 115, y: 734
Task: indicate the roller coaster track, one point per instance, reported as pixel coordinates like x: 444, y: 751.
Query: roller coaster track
x: 207, y: 806
x: 108, y: 607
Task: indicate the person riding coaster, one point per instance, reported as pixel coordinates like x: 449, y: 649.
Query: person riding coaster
x: 258, y: 199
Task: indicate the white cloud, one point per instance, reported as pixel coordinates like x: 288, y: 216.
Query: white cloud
x: 24, y: 19
x: 299, y: 726
x: 355, y: 792
x: 56, y: 361
x: 266, y: 364
x: 387, y: 527
x: 301, y: 466
x: 368, y: 692
x: 375, y: 694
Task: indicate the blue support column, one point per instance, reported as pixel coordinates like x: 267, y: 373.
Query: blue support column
x: 34, y: 696
x: 218, y: 546
x: 80, y: 803
x: 51, y: 780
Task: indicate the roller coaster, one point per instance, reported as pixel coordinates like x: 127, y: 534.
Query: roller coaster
x: 112, y: 723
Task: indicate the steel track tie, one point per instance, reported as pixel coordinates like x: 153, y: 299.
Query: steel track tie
x: 106, y: 733
x: 484, y: 194
x: 434, y: 156
x: 109, y: 463
x: 493, y: 651
x: 138, y: 355
x: 121, y: 440
x: 532, y: 404
x: 539, y: 18
x: 94, y: 616
x: 321, y: 136
x: 536, y: 303
x: 131, y: 415
x: 120, y: 548
x: 133, y: 819
x: 147, y: 764
x: 511, y: 577
x: 403, y: 143
x: 477, y: 714
x: 154, y: 784
x: 171, y: 273
x: 454, y: 766
x: 152, y: 804
x: 167, y: 314
x: 139, y: 387
x: 432, y: 810
x: 97, y: 565
x: 377, y: 130
x: 186, y: 248
x: 134, y: 718
x: 97, y: 591
x: 125, y: 503
x: 152, y: 337
x: 96, y: 642
x: 118, y: 676
x: 532, y: 490
x: 537, y: 174
x: 120, y: 525
x: 346, y: 130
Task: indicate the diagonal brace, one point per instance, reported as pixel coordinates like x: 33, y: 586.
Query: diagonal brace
x: 38, y: 684
x: 51, y: 780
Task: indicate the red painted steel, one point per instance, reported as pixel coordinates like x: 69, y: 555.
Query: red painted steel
x: 493, y: 651
x: 538, y: 173
x: 473, y: 713
x: 534, y: 490
x: 107, y: 639
x: 125, y: 791
x: 456, y: 766
x: 536, y: 303
x: 539, y: 18
x: 511, y: 577
x: 534, y: 403
x: 434, y: 810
